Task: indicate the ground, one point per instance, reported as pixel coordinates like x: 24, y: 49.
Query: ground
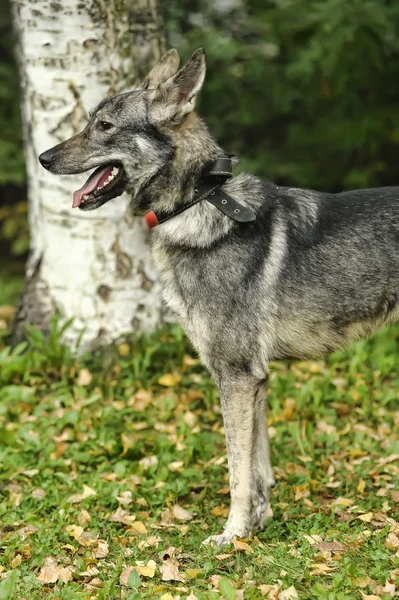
x: 113, y: 470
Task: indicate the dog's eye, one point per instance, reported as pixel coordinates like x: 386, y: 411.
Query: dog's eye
x: 104, y: 125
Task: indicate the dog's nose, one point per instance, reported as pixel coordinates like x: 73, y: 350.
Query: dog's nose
x: 46, y: 159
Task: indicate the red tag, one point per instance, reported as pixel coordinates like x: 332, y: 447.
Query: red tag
x: 151, y: 219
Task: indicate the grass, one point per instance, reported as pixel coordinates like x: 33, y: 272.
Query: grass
x: 113, y: 470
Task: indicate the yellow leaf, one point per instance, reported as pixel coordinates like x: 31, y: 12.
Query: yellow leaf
x: 193, y: 573
x: 167, y: 596
x: 342, y: 502
x: 87, y: 492
x: 124, y: 349
x: 147, y: 570
x: 320, y: 569
x: 220, y: 511
x: 16, y: 561
x: 85, y: 377
x: 74, y: 531
x: 242, y: 546
x: 168, y: 380
x: 176, y: 465
x: 128, y: 442
x: 367, y: 517
x: 361, y: 486
x: 362, y: 582
x: 138, y: 527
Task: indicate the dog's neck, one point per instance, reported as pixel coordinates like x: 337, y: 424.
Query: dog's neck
x: 173, y: 185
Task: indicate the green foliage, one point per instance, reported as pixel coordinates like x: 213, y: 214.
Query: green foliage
x: 304, y: 91
x: 12, y: 164
x: 148, y: 441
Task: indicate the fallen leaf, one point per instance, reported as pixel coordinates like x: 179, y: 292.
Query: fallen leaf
x: 84, y: 378
x: 313, y: 539
x: 320, y: 569
x: 122, y: 516
x: 128, y: 442
x: 31, y: 472
x: 148, y: 461
x: 87, y: 492
x: 74, y: 531
x: 288, y: 593
x: 192, y: 596
x: 330, y: 547
x: 342, y: 502
x: 147, y: 570
x: 152, y: 541
x: 220, y: 511
x: 362, y: 582
x: 124, y: 576
x: 124, y: 349
x: 65, y: 574
x: 367, y: 517
x: 170, y: 571
x: 392, y: 541
x: 167, y: 380
x: 101, y: 551
x: 242, y: 546
x: 181, y: 513
x: 193, y: 573
x: 83, y: 517
x: 38, y: 494
x: 49, y: 571
x: 175, y: 466
x: 16, y: 561
x: 271, y: 591
x: 138, y: 527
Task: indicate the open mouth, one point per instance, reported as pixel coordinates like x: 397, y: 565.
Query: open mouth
x: 102, y: 185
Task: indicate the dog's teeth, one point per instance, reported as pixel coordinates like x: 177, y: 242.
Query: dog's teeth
x: 114, y: 171
x: 85, y: 197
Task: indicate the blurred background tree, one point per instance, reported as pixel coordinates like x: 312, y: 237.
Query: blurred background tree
x: 305, y: 92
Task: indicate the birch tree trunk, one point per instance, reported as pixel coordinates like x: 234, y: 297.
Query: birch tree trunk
x: 93, y: 266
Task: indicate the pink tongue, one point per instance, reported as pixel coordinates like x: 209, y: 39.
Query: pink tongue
x: 96, y: 180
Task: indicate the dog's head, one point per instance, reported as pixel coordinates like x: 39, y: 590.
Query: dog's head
x: 128, y: 138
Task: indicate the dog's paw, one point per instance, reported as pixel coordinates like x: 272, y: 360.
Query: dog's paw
x: 222, y: 539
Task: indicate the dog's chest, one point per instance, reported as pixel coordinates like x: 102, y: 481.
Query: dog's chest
x: 197, y: 290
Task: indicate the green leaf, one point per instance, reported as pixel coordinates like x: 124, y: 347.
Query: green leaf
x: 227, y: 590
x: 7, y: 586
x: 134, y: 579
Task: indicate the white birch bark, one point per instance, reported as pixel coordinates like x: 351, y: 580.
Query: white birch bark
x: 95, y: 266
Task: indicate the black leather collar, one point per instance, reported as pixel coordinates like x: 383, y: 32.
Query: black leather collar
x: 209, y: 189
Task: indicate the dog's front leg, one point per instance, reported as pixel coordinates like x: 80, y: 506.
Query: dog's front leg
x: 250, y: 473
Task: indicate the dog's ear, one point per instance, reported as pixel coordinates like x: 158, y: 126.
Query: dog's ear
x: 163, y: 70
x: 176, y: 97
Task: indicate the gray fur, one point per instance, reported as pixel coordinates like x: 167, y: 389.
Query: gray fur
x: 312, y: 273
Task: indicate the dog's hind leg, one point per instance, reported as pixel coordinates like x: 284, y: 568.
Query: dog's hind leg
x: 247, y: 448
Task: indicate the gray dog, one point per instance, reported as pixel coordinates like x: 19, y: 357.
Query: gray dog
x: 255, y: 272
